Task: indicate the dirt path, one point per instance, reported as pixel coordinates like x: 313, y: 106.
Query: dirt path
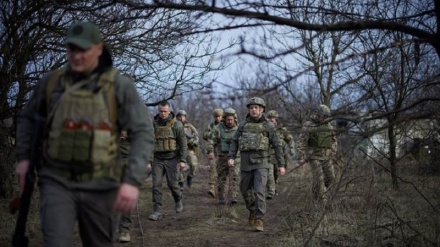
x: 203, y: 222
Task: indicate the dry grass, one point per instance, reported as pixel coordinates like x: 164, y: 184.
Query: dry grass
x: 363, y: 211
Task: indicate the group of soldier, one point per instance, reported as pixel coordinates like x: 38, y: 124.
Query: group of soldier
x: 87, y: 104
x: 246, y: 157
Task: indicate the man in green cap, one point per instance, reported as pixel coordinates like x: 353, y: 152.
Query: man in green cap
x: 85, y: 105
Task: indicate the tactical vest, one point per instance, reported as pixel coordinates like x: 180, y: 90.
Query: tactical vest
x: 321, y: 137
x: 253, y: 137
x: 226, y: 135
x: 165, y: 138
x: 81, y: 126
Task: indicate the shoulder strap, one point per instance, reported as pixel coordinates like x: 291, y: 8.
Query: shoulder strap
x: 51, y: 83
x: 109, y: 78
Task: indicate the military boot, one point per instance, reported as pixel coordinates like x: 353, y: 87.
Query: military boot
x: 211, y: 191
x: 258, y: 224
x: 124, y: 237
x: 179, y: 206
x: 189, y: 181
x: 251, y: 219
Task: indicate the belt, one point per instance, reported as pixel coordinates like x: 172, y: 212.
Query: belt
x: 81, y: 176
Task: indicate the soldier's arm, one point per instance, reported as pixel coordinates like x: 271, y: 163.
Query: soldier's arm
x: 134, y: 116
x: 233, y: 148
x: 26, y: 119
x: 181, y: 141
x: 276, y: 145
x: 303, y: 140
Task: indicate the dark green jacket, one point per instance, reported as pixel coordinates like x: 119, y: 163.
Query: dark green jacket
x: 132, y: 115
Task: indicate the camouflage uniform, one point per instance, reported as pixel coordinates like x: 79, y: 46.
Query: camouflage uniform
x: 254, y: 163
x: 221, y: 140
x: 317, y: 146
x: 216, y: 113
x: 68, y: 192
x: 288, y: 144
x: 192, y: 138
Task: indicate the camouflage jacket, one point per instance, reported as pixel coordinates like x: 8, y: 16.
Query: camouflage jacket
x: 307, y: 152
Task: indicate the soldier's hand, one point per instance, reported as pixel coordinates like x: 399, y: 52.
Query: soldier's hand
x: 211, y: 156
x: 231, y: 162
x: 126, y: 198
x: 20, y: 170
x: 281, y: 171
x: 182, y: 165
x: 301, y: 162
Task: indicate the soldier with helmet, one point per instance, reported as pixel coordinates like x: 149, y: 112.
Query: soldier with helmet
x: 288, y: 145
x: 317, y: 146
x: 220, y: 141
x: 217, y: 114
x: 192, y: 137
x: 254, y: 138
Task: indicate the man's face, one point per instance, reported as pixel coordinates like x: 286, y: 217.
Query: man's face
x: 217, y: 119
x: 84, y: 60
x: 255, y: 111
x: 273, y: 120
x: 164, y: 111
x: 181, y: 118
x: 230, y: 121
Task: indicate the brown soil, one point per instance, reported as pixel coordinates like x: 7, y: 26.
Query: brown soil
x: 203, y: 222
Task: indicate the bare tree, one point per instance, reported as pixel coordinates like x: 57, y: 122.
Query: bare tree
x: 147, y: 44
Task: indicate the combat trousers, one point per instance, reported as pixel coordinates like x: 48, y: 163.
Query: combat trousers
x: 61, y: 207
x: 169, y: 168
x: 193, y: 163
x: 253, y: 188
x: 125, y: 223
x: 224, y: 172
x: 323, y: 176
x: 272, y: 178
x: 212, y: 178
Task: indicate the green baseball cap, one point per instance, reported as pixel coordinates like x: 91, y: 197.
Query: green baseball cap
x: 83, y: 35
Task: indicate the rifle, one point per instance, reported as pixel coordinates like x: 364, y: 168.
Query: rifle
x: 19, y: 239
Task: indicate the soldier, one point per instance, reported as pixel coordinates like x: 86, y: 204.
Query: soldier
x: 170, y: 153
x: 192, y: 138
x: 220, y: 140
x: 86, y: 104
x: 252, y: 139
x: 317, y: 146
x: 288, y: 145
x: 217, y: 114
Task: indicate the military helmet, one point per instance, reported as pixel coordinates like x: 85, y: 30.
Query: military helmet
x: 272, y: 113
x: 181, y: 113
x: 323, y: 110
x: 218, y: 112
x: 229, y: 112
x: 256, y: 101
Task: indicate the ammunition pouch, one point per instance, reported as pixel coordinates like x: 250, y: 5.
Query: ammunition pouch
x: 94, y: 148
x: 253, y: 142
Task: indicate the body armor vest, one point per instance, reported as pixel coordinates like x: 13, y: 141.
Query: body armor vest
x: 82, y: 123
x: 226, y: 135
x: 253, y: 137
x: 321, y: 137
x: 165, y: 138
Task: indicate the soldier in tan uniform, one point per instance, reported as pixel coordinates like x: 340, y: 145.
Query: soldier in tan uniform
x: 217, y: 114
x: 287, y: 143
x: 317, y: 146
x: 192, y: 137
x: 221, y: 141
